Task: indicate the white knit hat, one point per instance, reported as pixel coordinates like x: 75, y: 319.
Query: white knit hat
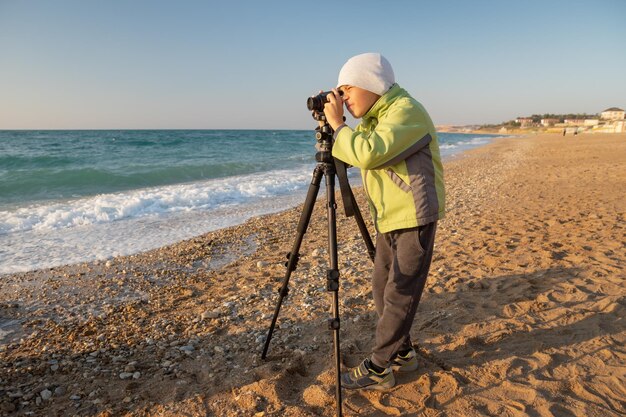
x: 370, y: 71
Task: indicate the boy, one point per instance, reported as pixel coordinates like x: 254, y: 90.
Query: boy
x: 396, y: 148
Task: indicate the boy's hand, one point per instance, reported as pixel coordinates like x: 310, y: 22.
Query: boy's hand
x: 333, y: 109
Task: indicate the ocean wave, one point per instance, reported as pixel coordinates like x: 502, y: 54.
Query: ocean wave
x: 21, y: 162
x: 63, y: 183
x: 106, y: 208
x: 478, y: 141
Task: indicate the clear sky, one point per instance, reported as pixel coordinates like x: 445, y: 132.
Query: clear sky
x: 251, y: 64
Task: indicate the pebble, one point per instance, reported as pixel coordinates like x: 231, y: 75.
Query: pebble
x: 187, y: 349
x: 210, y: 315
x: 8, y: 406
x: 46, y: 394
x: 126, y: 375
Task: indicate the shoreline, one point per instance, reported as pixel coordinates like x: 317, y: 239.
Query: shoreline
x: 64, y: 246
x: 522, y: 309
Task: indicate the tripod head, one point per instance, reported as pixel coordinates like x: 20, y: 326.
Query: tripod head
x: 324, y: 137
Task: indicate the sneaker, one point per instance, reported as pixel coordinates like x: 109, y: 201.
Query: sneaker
x: 363, y: 377
x: 405, y: 363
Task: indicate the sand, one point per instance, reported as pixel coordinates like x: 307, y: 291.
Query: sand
x: 523, y: 315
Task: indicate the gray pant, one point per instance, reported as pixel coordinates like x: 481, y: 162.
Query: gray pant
x: 400, y: 270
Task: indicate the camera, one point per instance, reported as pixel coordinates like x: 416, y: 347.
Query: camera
x: 317, y: 103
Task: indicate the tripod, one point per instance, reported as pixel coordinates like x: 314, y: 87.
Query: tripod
x: 327, y: 167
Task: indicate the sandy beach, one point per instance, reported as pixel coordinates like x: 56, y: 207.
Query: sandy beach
x: 523, y: 314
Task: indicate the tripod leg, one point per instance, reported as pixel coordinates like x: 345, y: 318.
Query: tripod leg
x: 332, y: 283
x: 351, y: 207
x: 305, y: 217
x: 371, y: 248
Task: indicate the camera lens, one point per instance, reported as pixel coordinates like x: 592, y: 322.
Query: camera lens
x: 317, y: 103
x: 314, y: 103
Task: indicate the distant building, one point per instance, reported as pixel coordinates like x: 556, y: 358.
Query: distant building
x: 591, y: 122
x: 574, y: 122
x: 612, y: 113
x: 549, y: 122
x: 524, y: 121
x: 614, y: 126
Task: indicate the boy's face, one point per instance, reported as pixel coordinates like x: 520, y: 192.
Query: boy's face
x: 358, y: 101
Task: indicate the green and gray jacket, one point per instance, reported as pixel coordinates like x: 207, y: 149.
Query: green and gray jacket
x: 396, y: 147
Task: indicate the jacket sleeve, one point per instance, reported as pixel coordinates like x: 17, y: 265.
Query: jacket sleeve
x: 401, y: 132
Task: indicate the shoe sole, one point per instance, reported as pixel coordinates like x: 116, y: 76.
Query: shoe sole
x: 404, y: 368
x: 380, y: 387
x: 377, y: 387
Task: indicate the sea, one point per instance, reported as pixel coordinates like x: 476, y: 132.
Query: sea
x: 71, y: 196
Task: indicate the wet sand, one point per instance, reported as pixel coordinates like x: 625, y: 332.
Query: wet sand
x: 523, y: 315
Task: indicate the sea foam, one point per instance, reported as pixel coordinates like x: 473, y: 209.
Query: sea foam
x: 106, y: 208
x: 448, y: 148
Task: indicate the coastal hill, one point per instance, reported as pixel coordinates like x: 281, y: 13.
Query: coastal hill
x: 611, y: 120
